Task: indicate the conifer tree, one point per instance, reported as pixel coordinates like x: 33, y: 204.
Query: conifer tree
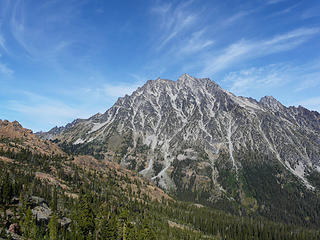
x: 28, y: 224
x: 53, y: 227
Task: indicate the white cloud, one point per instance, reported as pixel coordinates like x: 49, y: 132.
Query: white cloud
x: 230, y: 55
x: 286, y: 10
x: 118, y: 90
x: 301, y: 78
x: 46, y: 110
x: 243, y: 50
x: 257, y: 78
x: 81, y: 103
x: 42, y: 33
x: 196, y: 43
x: 274, y: 1
x: 236, y: 17
x: 173, y: 21
x: 106, y: 92
x: 51, y: 111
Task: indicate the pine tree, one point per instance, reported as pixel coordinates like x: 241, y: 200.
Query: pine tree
x: 53, y: 227
x: 28, y: 224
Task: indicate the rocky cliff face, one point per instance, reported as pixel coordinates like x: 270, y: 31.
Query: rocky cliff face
x: 193, y: 137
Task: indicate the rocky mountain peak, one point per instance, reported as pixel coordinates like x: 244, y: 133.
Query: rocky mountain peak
x: 187, y: 80
x: 271, y: 103
x: 194, y: 118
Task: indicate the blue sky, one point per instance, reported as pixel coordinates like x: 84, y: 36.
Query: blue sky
x: 67, y: 59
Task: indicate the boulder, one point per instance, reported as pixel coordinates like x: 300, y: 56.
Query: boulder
x: 42, y: 213
x: 65, y: 222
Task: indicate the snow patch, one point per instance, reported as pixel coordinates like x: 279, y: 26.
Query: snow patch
x: 300, y: 170
x: 230, y: 144
x: 181, y: 157
x: 147, y: 170
x: 97, y: 126
x: 243, y: 102
x: 151, y: 140
x: 188, y: 150
x: 79, y: 141
x: 92, y: 138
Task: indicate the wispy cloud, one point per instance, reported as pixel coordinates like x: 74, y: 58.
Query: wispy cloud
x: 44, y: 109
x: 246, y: 81
x: 17, y: 26
x: 119, y: 91
x: 286, y: 10
x: 50, y: 111
x: 245, y: 49
x: 174, y: 20
x: 55, y: 110
x: 237, y: 17
x: 36, y: 32
x: 249, y: 81
x: 274, y: 1
x: 3, y: 43
x: 196, y: 43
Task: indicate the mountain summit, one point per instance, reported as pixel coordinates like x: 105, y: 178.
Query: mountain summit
x: 202, y: 142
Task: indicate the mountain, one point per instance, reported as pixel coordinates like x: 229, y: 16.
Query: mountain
x: 47, y: 194
x: 204, y: 144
